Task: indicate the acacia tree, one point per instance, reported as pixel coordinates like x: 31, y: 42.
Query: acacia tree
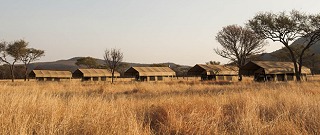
x: 286, y: 28
x: 89, y: 62
x: 30, y: 55
x: 213, y: 63
x: 238, y: 44
x: 15, y: 50
x: 113, y: 58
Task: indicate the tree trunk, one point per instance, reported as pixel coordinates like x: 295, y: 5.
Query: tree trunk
x: 239, y: 76
x: 300, y: 65
x: 12, y: 73
x: 296, y: 70
x: 294, y: 60
x: 301, y: 60
x: 299, y: 70
x: 239, y: 71
x: 112, y: 76
x: 26, y: 72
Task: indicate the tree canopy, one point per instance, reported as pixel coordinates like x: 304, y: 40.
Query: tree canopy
x: 89, y: 62
x: 238, y: 44
x: 213, y: 62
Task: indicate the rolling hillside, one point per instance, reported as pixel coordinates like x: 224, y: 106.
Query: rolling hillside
x: 70, y: 65
x: 270, y: 56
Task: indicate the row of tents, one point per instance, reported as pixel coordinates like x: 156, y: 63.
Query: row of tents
x: 139, y: 73
x: 260, y: 70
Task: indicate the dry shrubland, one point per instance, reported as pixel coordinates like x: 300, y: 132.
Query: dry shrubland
x: 159, y: 108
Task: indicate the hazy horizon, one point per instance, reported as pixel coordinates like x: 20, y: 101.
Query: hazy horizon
x: 182, y: 32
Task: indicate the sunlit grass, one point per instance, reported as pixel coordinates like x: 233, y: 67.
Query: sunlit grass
x: 159, y: 108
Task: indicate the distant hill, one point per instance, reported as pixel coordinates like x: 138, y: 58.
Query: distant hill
x: 69, y: 65
x: 315, y: 48
x: 313, y: 62
x: 270, y: 56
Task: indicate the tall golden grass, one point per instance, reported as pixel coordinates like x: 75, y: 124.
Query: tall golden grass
x: 159, y: 108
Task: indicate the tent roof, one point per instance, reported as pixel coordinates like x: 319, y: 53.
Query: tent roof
x: 275, y: 67
x: 151, y: 71
x: 51, y: 73
x: 97, y: 72
x: 213, y: 70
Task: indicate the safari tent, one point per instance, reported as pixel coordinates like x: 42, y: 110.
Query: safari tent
x: 214, y: 72
x: 50, y: 75
x: 273, y: 71
x: 150, y: 73
x: 93, y: 74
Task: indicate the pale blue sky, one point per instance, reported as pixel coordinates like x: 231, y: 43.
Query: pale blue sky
x: 147, y: 31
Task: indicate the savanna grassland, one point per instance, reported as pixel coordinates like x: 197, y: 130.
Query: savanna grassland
x: 159, y: 108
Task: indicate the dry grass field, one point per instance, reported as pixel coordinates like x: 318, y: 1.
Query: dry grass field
x: 160, y: 108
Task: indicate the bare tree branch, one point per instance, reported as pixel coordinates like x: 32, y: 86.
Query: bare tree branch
x: 113, y: 59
